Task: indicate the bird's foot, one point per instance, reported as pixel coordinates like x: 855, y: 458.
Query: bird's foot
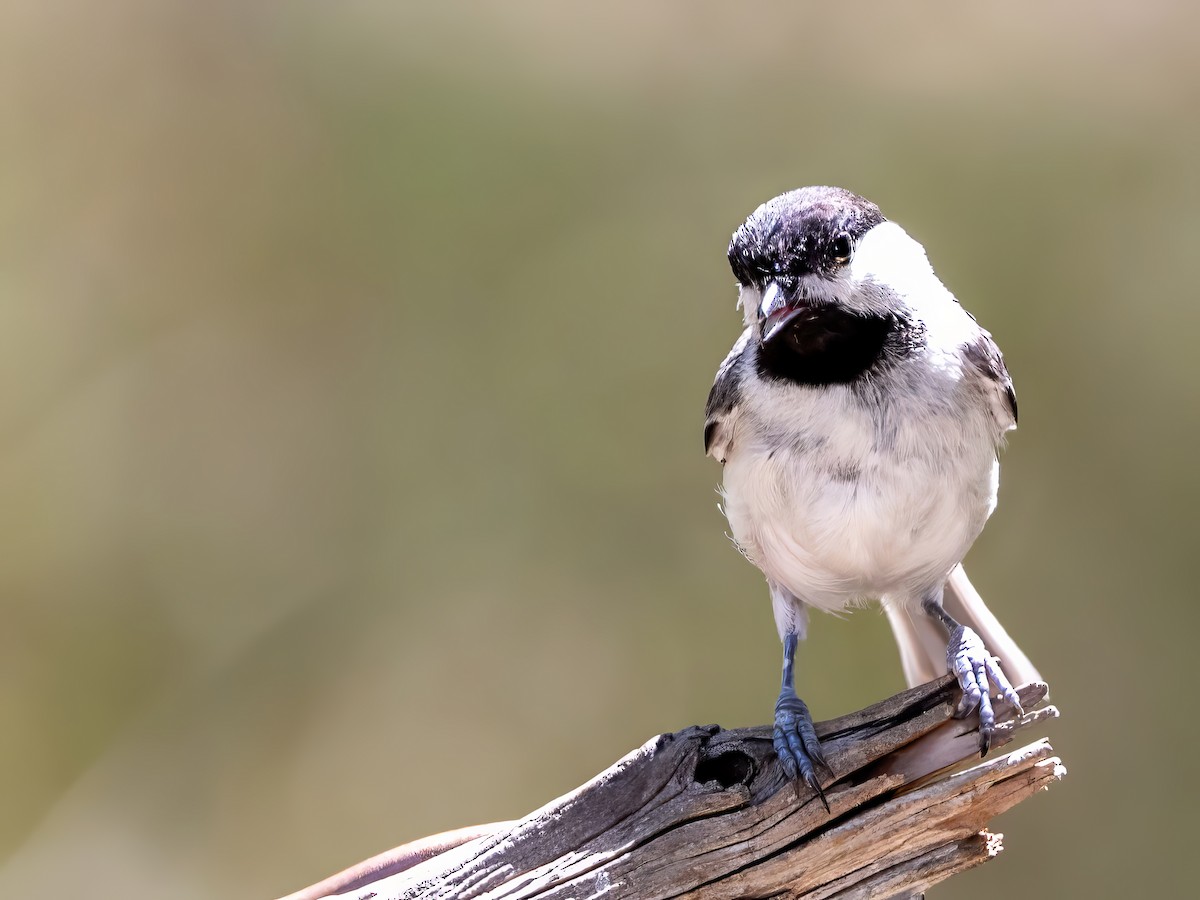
x: 796, y: 742
x: 974, y: 668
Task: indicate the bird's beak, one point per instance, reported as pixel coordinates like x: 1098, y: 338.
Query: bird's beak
x: 777, y: 310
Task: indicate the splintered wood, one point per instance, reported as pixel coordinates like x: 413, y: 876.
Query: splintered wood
x: 706, y: 814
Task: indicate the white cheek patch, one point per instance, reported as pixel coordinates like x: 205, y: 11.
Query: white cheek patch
x: 889, y: 262
x: 887, y: 255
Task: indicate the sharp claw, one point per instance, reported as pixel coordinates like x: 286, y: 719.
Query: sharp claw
x: 977, y: 671
x: 969, y: 702
x: 987, y: 725
x: 816, y: 786
x: 797, y: 746
x: 964, y: 707
x: 815, y: 754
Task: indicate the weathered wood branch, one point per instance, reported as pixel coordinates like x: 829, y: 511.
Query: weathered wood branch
x: 707, y: 813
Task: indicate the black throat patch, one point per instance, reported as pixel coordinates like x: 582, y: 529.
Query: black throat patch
x: 827, y: 345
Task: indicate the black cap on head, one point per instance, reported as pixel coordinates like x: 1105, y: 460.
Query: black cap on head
x: 812, y: 230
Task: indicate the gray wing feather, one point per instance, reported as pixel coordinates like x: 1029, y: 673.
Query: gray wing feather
x: 723, y: 399
x: 984, y: 357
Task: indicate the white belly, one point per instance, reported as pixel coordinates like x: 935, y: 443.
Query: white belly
x: 837, y: 522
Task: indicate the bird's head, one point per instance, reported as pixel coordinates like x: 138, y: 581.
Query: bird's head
x: 818, y: 252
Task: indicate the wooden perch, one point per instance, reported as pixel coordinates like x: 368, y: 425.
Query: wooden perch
x: 707, y: 813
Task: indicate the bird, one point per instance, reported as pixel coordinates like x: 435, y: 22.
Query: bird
x: 858, y: 420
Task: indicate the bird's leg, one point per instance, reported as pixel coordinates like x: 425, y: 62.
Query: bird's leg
x: 795, y: 738
x: 971, y: 663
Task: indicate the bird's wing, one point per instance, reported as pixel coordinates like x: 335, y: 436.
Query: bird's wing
x: 984, y: 357
x: 723, y: 400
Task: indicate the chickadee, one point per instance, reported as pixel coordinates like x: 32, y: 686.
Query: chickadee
x: 858, y: 419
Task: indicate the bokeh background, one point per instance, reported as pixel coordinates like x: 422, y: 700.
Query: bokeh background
x: 352, y: 366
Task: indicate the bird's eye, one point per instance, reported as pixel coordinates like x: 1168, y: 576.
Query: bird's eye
x: 841, y: 249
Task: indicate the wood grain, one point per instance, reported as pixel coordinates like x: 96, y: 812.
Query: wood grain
x: 706, y: 814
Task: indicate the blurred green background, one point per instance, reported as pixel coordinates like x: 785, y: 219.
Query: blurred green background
x: 352, y: 366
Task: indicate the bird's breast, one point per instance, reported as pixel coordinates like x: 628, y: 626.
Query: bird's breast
x: 843, y: 511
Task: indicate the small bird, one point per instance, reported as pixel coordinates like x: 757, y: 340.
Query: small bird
x: 858, y: 419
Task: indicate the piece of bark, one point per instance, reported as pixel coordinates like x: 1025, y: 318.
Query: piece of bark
x: 706, y: 813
